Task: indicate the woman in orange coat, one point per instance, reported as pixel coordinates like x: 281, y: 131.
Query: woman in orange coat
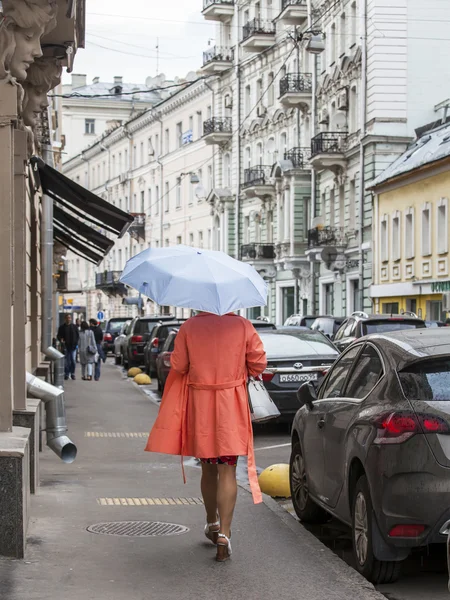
x: 204, y: 411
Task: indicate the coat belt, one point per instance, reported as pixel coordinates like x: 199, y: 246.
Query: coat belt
x: 228, y: 385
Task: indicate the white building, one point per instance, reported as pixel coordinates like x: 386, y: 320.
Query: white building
x: 145, y: 167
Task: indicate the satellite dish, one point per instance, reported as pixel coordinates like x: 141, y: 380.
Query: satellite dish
x: 271, y: 146
x: 329, y: 254
x: 339, y: 122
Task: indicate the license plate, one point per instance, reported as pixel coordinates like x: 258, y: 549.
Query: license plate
x: 298, y: 377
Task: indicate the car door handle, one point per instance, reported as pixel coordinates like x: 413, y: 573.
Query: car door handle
x: 321, y: 423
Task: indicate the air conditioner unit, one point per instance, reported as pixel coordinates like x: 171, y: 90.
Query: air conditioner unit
x: 228, y: 102
x: 123, y: 177
x: 324, y: 118
x: 446, y: 301
x: 261, y: 111
x: 342, y: 102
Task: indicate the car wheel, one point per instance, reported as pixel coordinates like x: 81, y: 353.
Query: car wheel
x: 306, y: 509
x: 376, y: 571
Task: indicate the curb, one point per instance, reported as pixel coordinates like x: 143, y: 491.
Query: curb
x: 365, y: 591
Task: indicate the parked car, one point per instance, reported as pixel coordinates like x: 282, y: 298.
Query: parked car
x: 118, y: 342
x: 154, y: 345
x: 293, y: 357
x: 163, y: 364
x: 371, y: 447
x: 300, y: 320
x: 328, y: 325
x: 138, y: 333
x: 111, y: 329
x: 435, y: 324
x: 360, y: 324
x: 259, y: 324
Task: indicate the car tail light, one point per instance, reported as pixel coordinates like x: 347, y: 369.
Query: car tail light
x: 166, y: 359
x: 155, y: 342
x: 395, y: 428
x: 408, y: 531
x: 267, y: 376
x: 136, y: 339
x: 108, y: 337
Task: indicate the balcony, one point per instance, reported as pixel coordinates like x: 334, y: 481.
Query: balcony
x: 217, y: 59
x: 218, y: 10
x: 296, y: 90
x: 328, y: 244
x: 258, y: 35
x: 328, y: 151
x: 260, y: 256
x: 299, y: 157
x: 291, y: 255
x: 137, y: 227
x: 217, y: 130
x: 293, y: 12
x: 108, y: 282
x: 257, y: 182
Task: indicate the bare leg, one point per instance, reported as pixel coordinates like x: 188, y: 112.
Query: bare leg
x: 209, y: 491
x: 226, y: 497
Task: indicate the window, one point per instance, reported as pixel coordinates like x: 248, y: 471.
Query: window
x: 426, y: 230
x: 179, y: 241
x: 334, y: 385
x: 259, y: 91
x: 149, y: 202
x: 209, y: 112
x: 191, y: 194
x: 150, y: 149
x: 166, y: 197
x: 134, y: 207
x: 353, y: 23
x: 157, y: 148
x: 134, y: 156
x: 120, y: 259
x: 141, y: 161
x: 442, y: 226
x: 384, y: 243
x: 390, y: 308
x: 178, y: 193
x: 409, y: 233
x: 120, y: 164
x: 396, y: 237
x: 199, y: 124
x: 283, y: 144
x: 191, y: 239
x: 89, y: 126
x: 157, y: 200
x: 271, y: 90
x: 191, y: 126
x: 342, y: 205
x: 126, y: 160
x: 366, y: 374
x: 167, y: 242
x: 200, y: 239
x: 179, y: 135
x: 246, y: 229
x: 227, y: 170
x: 354, y: 110
x: 167, y: 141
x: 333, y: 43
x: 342, y: 34
x: 248, y: 100
x: 209, y: 239
x: 210, y: 181
x: 142, y: 201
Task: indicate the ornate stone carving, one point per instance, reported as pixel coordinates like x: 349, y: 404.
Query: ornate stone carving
x: 23, y: 23
x: 43, y: 75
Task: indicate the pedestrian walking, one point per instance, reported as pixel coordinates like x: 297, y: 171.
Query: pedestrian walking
x: 68, y: 335
x: 205, y: 413
x: 88, y: 351
x: 98, y: 335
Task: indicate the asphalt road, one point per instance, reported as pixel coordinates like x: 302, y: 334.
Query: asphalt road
x: 424, y: 573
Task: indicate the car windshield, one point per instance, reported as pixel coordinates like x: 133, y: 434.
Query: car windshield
x: 170, y: 344
x: 145, y: 326
x: 115, y: 326
x: 309, y: 321
x: 389, y: 325
x: 327, y: 326
x: 427, y: 380
x: 293, y: 345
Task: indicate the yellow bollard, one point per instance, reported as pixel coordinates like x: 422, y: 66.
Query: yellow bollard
x: 274, y: 481
x: 134, y: 371
x: 142, y: 379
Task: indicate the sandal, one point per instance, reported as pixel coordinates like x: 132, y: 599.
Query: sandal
x: 212, y: 534
x: 223, y: 550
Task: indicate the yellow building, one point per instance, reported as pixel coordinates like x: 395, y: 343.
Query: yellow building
x: 411, y: 226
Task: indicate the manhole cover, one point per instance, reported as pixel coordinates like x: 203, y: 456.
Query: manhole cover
x: 138, y: 528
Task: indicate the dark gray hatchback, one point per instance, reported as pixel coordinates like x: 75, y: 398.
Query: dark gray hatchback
x: 372, y: 447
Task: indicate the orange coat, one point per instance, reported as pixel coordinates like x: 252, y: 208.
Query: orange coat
x: 204, y: 410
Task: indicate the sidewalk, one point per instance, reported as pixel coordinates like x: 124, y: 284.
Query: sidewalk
x: 273, y: 556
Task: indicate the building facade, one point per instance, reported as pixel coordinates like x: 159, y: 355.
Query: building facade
x: 158, y: 168
x: 411, y: 225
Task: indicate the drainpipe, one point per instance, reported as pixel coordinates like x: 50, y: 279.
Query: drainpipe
x: 361, y: 151
x: 56, y: 426
x: 213, y: 154
x: 238, y: 128
x: 313, y: 171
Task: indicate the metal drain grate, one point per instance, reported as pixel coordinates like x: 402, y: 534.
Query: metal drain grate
x: 138, y: 528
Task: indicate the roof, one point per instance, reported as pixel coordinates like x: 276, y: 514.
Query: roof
x: 431, y: 147
x: 104, y: 87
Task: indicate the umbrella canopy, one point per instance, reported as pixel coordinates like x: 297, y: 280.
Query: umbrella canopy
x: 189, y: 277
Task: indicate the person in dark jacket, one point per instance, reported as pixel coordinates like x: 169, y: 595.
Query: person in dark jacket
x: 98, y: 334
x: 69, y: 335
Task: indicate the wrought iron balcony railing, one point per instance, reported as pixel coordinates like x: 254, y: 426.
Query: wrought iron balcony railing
x: 257, y: 27
x: 139, y: 220
x: 326, y: 236
x: 108, y: 279
x: 218, y: 53
x: 207, y: 3
x: 329, y: 143
x: 258, y: 251
x: 286, y: 3
x: 296, y: 82
x: 259, y: 175
x: 299, y: 157
x: 217, y: 125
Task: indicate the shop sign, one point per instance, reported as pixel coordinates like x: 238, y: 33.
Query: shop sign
x: 440, y: 287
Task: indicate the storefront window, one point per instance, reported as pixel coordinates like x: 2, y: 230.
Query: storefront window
x: 288, y: 302
x: 329, y: 298
x: 390, y: 308
x: 435, y: 311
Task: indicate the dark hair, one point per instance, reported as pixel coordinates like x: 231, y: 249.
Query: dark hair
x: 93, y: 322
x: 84, y: 326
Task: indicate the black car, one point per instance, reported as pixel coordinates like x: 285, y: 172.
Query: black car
x: 156, y: 343
x: 328, y: 325
x: 372, y: 447
x: 264, y: 325
x: 294, y: 356
x: 111, y: 331
x: 138, y: 333
x: 163, y: 364
x: 360, y: 324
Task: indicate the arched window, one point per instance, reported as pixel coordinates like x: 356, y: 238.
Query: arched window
x: 259, y: 153
x: 283, y: 144
x: 227, y: 170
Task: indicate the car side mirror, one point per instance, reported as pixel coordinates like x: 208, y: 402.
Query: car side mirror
x: 307, y: 394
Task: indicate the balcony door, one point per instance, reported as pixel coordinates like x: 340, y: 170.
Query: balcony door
x: 288, y: 302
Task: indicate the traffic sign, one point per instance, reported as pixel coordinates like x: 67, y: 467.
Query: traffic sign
x: 100, y: 315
